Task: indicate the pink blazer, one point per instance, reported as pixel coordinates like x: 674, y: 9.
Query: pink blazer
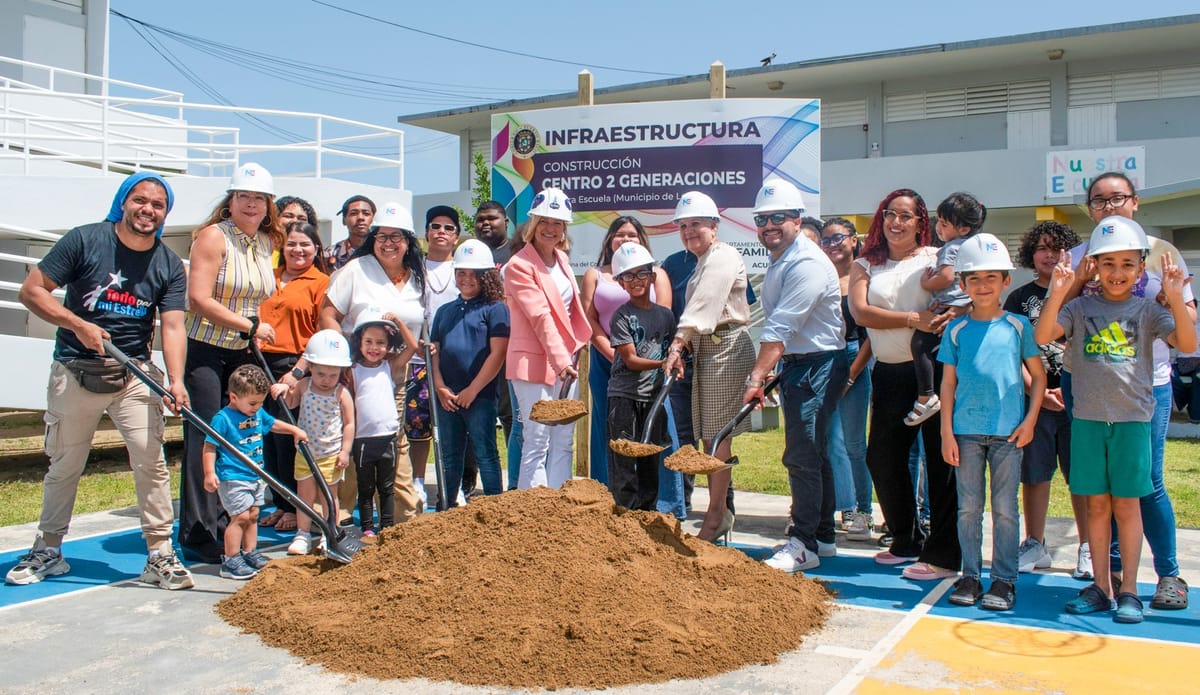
x: 542, y: 338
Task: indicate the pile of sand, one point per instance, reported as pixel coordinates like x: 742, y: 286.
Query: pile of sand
x: 692, y: 461
x: 557, y: 412
x: 537, y: 588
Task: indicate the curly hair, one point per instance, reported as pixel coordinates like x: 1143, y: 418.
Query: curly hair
x: 310, y: 214
x: 491, y: 287
x: 875, y: 248
x: 1058, y: 236
x: 249, y: 380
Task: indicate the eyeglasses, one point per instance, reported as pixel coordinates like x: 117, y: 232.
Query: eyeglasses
x: 644, y: 274
x: 390, y: 238
x: 904, y: 217
x: 1115, y: 201
x: 774, y: 218
x: 436, y: 226
x: 835, y: 239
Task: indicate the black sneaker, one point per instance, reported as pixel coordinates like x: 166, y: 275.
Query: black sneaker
x: 967, y: 592
x: 1000, y: 596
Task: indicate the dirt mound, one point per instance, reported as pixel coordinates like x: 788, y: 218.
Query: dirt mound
x: 535, y: 588
x: 689, y: 460
x: 559, y: 412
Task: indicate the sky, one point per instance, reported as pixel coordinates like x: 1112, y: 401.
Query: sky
x: 414, y: 70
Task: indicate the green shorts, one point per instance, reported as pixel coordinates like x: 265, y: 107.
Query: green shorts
x: 1110, y: 458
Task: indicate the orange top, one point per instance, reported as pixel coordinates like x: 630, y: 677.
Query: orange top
x: 292, y: 310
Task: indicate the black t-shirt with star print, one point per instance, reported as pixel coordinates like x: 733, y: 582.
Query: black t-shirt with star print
x: 114, y: 287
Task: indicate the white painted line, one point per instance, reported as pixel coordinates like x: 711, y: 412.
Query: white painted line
x: 850, y: 682
x: 844, y: 652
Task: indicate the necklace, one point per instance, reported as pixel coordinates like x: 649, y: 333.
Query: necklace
x: 431, y: 277
x: 399, y: 279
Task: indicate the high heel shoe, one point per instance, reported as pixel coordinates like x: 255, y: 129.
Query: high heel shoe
x: 725, y: 528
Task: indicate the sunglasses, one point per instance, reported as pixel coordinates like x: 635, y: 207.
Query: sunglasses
x: 436, y: 226
x: 644, y: 274
x: 835, y: 239
x: 774, y: 218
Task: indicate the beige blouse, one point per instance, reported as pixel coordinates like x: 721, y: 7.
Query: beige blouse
x: 716, y: 293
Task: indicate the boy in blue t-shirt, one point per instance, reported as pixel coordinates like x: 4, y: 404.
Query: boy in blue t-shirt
x: 242, y: 423
x: 1110, y: 349
x: 985, y: 419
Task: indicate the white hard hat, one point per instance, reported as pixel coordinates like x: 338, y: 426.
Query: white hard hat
x: 252, y: 177
x: 982, y: 251
x: 393, y: 215
x: 696, y: 204
x: 552, y: 203
x: 373, y: 316
x: 473, y: 254
x: 1115, y: 233
x: 328, y: 348
x: 630, y: 255
x: 777, y: 195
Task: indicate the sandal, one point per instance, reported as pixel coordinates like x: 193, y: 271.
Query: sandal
x: 1171, y: 594
x: 923, y: 411
x: 287, y: 522
x: 1129, y: 608
x: 271, y: 519
x: 1090, y: 600
x: 923, y: 572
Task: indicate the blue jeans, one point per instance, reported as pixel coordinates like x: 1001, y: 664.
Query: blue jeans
x: 975, y: 453
x: 920, y: 476
x: 515, y: 440
x: 1158, y: 515
x: 599, y: 371
x: 670, y: 483
x: 848, y: 442
x: 479, y: 422
x: 809, y: 386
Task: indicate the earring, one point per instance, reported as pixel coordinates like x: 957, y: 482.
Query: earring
x: 225, y: 213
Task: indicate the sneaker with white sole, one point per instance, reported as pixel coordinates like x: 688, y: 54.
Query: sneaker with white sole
x: 167, y: 572
x: 36, y: 565
x: 794, y: 557
x: 1032, y: 555
x: 236, y: 567
x: 301, y: 545
x: 255, y: 559
x: 826, y: 549
x: 860, y: 527
x: 1083, y: 563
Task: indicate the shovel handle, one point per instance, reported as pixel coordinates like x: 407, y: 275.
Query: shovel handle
x: 657, y: 406
x: 566, y: 386
x: 741, y: 415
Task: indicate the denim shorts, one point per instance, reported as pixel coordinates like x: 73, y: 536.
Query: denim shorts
x: 239, y: 495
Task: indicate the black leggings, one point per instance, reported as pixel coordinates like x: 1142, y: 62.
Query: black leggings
x: 923, y: 346
x: 375, y: 465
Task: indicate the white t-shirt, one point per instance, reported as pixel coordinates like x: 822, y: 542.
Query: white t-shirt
x: 363, y: 283
x: 439, y: 286
x: 566, y: 288
x: 896, y: 286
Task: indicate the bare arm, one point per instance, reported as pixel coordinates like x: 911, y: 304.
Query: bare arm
x: 949, y: 443
x: 938, y: 278
x: 769, y: 354
x: 208, y: 254
x: 347, y: 404
x: 587, y: 295
x: 35, y: 295
x: 174, y: 342
x: 630, y: 359
x: 872, y: 316
x: 663, y: 294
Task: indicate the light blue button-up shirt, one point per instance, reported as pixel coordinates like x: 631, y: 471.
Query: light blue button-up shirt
x: 802, y: 301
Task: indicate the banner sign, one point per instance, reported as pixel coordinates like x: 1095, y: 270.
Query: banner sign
x: 638, y: 159
x: 1070, y: 172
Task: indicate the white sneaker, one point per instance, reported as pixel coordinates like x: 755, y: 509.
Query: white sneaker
x: 421, y: 494
x: 860, y: 527
x: 1032, y: 555
x: 462, y: 499
x: 793, y: 557
x: 166, y: 571
x: 1083, y: 563
x: 37, y: 564
x: 826, y: 549
x: 301, y: 545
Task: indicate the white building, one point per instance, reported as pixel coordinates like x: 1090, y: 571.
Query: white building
x: 987, y: 116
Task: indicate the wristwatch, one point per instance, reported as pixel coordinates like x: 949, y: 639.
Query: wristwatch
x: 253, y: 328
x: 297, y: 373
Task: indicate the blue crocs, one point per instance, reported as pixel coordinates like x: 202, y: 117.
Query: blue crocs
x: 1090, y: 600
x: 1129, y: 608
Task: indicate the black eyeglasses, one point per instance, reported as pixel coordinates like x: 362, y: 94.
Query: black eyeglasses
x: 774, y: 218
x: 390, y: 238
x: 1115, y: 201
x: 644, y: 274
x: 835, y: 239
x: 435, y: 226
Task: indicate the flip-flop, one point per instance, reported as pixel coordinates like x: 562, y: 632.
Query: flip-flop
x: 287, y: 522
x: 1171, y: 594
x: 923, y: 411
x: 271, y: 519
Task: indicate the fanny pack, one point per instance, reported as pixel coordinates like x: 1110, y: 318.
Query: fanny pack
x: 104, y: 375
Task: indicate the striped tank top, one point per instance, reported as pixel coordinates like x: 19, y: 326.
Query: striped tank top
x: 321, y: 419
x: 243, y: 282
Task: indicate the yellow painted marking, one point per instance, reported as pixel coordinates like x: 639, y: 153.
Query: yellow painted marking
x: 940, y: 655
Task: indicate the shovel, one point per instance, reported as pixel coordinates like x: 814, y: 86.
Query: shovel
x: 443, y: 493
x: 690, y: 461
x: 562, y: 411
x: 340, y: 546
x: 624, y: 447
x: 322, y: 484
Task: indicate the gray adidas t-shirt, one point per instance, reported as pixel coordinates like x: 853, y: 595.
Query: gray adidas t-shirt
x: 1112, y: 356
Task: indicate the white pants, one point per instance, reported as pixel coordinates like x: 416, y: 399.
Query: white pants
x: 547, y: 450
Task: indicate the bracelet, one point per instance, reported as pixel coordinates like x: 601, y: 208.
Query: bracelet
x: 752, y: 384
x: 253, y: 329
x: 675, y: 351
x: 849, y: 382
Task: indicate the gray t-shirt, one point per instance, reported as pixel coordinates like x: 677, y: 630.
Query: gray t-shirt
x: 1111, y: 348
x: 650, y: 331
x: 953, y: 294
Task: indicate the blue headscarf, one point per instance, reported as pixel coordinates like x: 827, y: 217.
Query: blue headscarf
x: 116, y: 212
